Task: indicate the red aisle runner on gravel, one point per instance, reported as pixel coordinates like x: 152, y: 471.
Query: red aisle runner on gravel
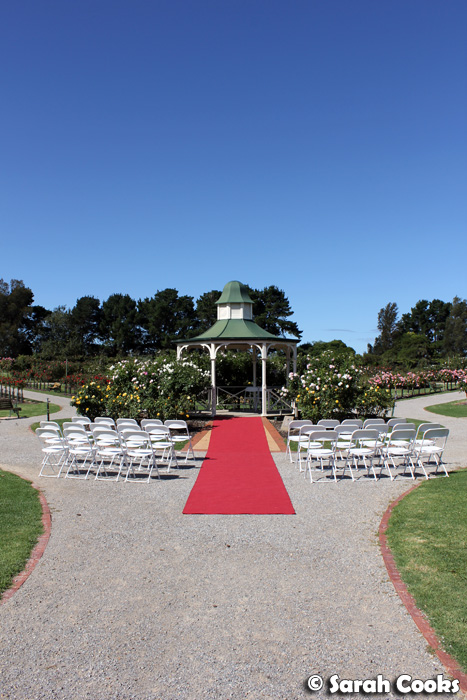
x: 238, y: 475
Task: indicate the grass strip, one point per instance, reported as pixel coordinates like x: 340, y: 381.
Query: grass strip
x: 20, y: 525
x: 427, y: 534
x: 453, y: 409
x: 30, y: 409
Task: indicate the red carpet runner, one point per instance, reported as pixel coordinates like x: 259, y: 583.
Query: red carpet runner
x: 238, y: 474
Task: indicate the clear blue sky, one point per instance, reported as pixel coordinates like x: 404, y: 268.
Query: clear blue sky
x: 318, y: 145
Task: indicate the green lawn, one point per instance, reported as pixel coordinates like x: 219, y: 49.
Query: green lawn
x: 33, y: 408
x: 428, y: 537
x: 453, y: 409
x: 20, y: 525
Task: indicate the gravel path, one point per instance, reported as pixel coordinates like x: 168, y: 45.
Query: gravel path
x: 134, y: 601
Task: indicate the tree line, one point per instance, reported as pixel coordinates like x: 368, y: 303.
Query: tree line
x: 121, y: 325
x: 430, y: 331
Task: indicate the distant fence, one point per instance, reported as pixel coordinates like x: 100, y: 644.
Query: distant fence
x: 12, y: 391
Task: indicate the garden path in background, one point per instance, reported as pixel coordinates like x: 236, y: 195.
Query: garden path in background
x: 455, y: 454
x: 132, y: 599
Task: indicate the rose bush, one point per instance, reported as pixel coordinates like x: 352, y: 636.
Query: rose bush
x: 333, y: 386
x: 161, y: 387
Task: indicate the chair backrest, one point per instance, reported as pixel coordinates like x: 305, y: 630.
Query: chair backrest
x: 348, y: 428
x: 328, y: 423
x: 399, y: 426
x: 150, y: 421
x: 373, y: 421
x: 73, y: 428
x: 297, y: 424
x: 128, y: 421
x: 328, y: 435
x: 73, y: 438
x: 105, y: 436
x: 176, y: 424
x: 155, y: 430
x: 127, y: 426
x: 395, y: 421
x: 402, y: 434
x: 50, y: 435
x: 353, y: 421
x: 136, y: 439
x: 49, y: 424
x: 365, y: 435
x: 439, y: 435
x: 104, y: 419
x: 423, y: 427
x: 309, y: 428
x: 380, y: 427
x: 84, y: 420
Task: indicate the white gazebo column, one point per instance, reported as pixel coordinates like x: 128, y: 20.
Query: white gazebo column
x: 264, y: 393
x: 295, y: 359
x: 213, y: 379
x: 255, y: 394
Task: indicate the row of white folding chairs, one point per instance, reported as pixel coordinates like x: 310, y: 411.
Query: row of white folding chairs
x: 104, y: 450
x: 173, y: 430
x: 300, y: 429
x: 405, y: 447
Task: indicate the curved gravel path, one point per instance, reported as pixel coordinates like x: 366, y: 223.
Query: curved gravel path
x: 134, y: 601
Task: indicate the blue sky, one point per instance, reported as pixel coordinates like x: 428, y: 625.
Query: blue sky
x: 319, y: 146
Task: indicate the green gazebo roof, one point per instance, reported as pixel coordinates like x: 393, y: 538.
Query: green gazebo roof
x: 242, y: 329
x: 234, y: 293
x: 235, y: 329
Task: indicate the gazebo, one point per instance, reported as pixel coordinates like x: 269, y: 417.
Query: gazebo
x: 235, y: 329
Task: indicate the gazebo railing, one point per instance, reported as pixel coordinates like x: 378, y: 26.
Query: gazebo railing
x: 276, y: 403
x: 243, y: 398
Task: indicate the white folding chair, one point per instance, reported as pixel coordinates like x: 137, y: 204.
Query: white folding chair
x: 344, y: 439
x: 432, y: 448
x: 162, y: 444
x: 293, y: 434
x: 322, y: 453
x: 109, y: 453
x: 81, y: 454
x: 179, y: 433
x: 399, y: 451
x: 304, y: 443
x: 139, y: 454
x: 54, y: 451
x: 364, y: 449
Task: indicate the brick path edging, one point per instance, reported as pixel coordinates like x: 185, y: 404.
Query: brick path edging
x: 36, y: 553
x: 418, y: 617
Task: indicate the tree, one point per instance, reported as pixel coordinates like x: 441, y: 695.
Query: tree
x: 387, y: 326
x: 34, y: 328
x: 455, y: 340
x: 119, y: 325
x: 15, y: 303
x: 271, y: 311
x: 426, y: 318
x: 165, y: 318
x: 412, y: 349
x: 85, y: 319
x: 206, y: 309
x: 58, y: 340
